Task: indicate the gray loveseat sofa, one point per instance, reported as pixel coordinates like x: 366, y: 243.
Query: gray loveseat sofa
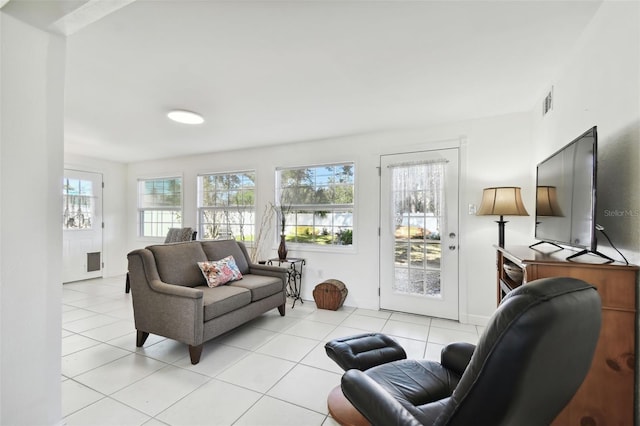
x: 171, y: 297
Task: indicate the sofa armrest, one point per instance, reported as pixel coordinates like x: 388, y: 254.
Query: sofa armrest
x: 270, y: 271
x: 161, y: 308
x: 256, y: 268
x: 170, y: 310
x: 175, y: 290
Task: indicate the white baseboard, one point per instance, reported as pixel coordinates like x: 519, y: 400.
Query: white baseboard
x: 481, y: 320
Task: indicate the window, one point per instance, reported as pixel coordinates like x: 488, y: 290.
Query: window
x: 317, y: 203
x: 159, y: 206
x: 226, y: 206
x: 78, y: 204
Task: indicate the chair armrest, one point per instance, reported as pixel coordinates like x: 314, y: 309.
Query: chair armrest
x: 456, y: 356
x: 375, y: 403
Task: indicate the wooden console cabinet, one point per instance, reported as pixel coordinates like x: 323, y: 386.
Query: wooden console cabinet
x: 607, y: 395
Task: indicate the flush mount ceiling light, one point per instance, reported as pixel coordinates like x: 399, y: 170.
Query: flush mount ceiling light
x: 185, y: 117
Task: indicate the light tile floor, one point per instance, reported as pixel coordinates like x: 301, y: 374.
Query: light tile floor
x: 271, y: 371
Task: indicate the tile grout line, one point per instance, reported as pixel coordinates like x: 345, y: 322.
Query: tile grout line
x: 350, y: 313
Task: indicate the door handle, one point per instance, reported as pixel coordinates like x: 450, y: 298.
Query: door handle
x: 452, y: 235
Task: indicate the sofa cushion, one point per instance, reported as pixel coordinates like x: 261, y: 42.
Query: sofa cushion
x: 178, y: 263
x: 215, y: 250
x: 261, y: 286
x: 223, y: 299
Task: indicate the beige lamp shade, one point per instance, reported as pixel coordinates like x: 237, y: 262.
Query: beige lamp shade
x: 547, y: 201
x: 502, y: 201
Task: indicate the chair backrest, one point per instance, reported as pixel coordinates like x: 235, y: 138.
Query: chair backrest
x: 176, y: 235
x: 532, y: 357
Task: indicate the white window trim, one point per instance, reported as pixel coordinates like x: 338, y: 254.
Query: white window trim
x: 321, y: 248
x: 140, y: 210
x: 200, y: 208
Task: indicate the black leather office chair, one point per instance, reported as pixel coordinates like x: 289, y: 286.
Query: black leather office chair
x: 528, y: 364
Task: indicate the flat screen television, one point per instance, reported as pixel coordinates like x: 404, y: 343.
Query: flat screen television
x: 566, y: 195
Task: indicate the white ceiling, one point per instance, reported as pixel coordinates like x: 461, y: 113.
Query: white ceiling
x: 270, y: 72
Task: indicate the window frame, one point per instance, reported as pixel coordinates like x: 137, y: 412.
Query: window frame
x: 242, y: 209
x: 315, y: 207
x: 141, y: 209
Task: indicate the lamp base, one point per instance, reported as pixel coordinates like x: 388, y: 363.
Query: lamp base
x: 501, y: 223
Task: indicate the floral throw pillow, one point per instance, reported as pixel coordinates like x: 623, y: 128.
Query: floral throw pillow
x: 231, y: 263
x: 220, y: 272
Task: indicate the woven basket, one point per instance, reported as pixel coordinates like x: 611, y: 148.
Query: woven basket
x: 330, y: 294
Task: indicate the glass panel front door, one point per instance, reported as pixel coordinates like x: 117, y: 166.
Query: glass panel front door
x: 418, y: 238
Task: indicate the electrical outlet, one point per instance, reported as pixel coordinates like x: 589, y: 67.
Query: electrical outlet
x: 472, y: 209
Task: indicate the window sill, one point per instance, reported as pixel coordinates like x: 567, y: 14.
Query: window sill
x: 330, y: 249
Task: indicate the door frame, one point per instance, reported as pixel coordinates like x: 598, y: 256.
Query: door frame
x: 461, y: 143
x: 101, y: 228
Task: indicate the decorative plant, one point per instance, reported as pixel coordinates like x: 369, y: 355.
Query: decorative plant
x: 265, y: 226
x: 283, y: 220
x: 283, y: 210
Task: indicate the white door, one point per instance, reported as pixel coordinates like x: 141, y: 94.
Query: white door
x: 81, y: 225
x: 419, y: 233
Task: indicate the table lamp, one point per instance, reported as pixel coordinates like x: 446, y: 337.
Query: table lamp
x: 502, y: 201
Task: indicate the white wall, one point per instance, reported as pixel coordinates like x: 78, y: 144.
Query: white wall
x: 114, y: 208
x: 500, y: 156
x: 600, y: 85
x: 495, y: 151
x: 31, y: 144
